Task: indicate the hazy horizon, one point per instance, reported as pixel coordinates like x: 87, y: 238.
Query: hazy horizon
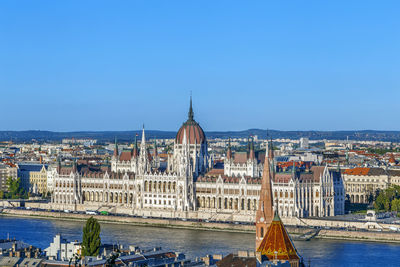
x: 205, y: 130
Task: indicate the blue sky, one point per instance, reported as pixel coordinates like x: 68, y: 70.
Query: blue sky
x: 113, y: 65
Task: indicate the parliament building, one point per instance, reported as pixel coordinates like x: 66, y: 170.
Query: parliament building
x: 189, y: 187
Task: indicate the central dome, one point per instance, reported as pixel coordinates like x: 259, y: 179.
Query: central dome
x: 194, y: 133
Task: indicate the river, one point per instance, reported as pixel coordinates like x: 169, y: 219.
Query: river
x: 195, y: 243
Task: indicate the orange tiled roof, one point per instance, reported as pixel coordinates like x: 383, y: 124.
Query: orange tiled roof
x: 277, y: 244
x: 357, y: 171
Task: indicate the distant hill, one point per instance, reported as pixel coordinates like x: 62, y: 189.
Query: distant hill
x: 25, y: 136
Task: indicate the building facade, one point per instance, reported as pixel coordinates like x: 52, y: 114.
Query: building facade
x: 6, y: 171
x: 38, y: 180
x: 135, y: 183
x: 363, y: 183
x: 317, y: 193
x: 135, y: 180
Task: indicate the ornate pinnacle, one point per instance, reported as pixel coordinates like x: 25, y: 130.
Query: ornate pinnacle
x: 190, y: 114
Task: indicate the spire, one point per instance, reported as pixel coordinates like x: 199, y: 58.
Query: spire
x: 143, y: 138
x: 155, y: 154
x: 264, y: 213
x: 116, y: 148
x: 229, y: 152
x: 135, y: 148
x: 276, y: 216
x: 190, y: 114
x: 252, y: 153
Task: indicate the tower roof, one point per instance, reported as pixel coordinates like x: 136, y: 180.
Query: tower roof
x: 116, y: 148
x: 276, y: 244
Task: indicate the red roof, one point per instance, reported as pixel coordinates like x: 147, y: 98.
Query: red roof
x: 277, y: 244
x: 357, y: 171
x: 125, y: 156
x: 194, y: 133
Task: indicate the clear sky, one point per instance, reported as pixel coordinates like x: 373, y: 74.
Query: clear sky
x: 285, y: 65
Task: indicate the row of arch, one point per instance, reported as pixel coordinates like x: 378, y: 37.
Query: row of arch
x: 226, y: 203
x: 108, y: 197
x: 358, y: 199
x: 66, y: 184
x: 62, y: 198
x: 160, y: 187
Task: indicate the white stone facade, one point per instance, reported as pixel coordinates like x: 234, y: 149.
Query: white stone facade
x: 135, y: 183
x: 318, y: 193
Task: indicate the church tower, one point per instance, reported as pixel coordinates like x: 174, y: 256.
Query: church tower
x: 265, y: 213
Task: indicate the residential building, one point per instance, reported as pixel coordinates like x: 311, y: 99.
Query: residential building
x: 24, y: 171
x: 362, y: 183
x: 61, y: 250
x: 6, y: 171
x: 38, y: 180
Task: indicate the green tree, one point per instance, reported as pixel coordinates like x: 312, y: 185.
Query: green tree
x: 395, y: 205
x: 91, y: 238
x: 1, y: 194
x: 15, y: 189
x: 388, y: 199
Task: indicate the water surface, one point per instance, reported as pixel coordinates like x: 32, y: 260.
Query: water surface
x: 196, y: 243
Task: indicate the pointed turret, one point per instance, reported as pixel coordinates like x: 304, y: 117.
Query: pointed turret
x: 135, y: 148
x: 116, y: 148
x: 143, y: 143
x: 229, y: 151
x: 252, y: 154
x: 264, y: 213
x: 190, y: 114
x: 155, y: 153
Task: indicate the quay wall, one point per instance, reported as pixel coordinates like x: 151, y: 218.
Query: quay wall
x: 386, y: 237
x: 216, y: 216
x: 134, y: 220
x: 383, y: 236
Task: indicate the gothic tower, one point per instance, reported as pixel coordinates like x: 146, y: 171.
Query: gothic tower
x: 265, y: 212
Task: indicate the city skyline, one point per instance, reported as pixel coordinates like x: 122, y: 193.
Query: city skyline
x: 76, y: 66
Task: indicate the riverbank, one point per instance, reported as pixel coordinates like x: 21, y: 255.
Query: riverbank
x: 295, y: 232
x: 153, y: 222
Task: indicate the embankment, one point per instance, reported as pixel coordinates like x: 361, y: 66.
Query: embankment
x: 372, y: 236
